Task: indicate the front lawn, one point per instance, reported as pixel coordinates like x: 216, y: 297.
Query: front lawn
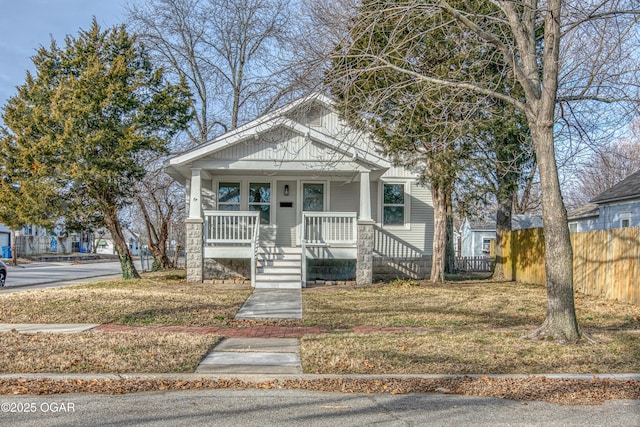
x: 396, y: 328
x: 158, y: 299
x: 460, y: 328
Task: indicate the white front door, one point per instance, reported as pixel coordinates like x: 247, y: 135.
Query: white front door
x: 286, y: 215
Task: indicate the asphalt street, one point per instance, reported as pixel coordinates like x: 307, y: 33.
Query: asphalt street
x: 302, y: 408
x: 47, y: 274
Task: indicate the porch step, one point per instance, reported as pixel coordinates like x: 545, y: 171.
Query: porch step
x: 279, y: 268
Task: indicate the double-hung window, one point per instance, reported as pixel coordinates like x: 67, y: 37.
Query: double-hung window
x: 393, y: 204
x: 229, y: 196
x: 260, y: 200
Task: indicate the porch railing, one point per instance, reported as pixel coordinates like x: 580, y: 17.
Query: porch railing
x: 329, y: 228
x: 323, y: 229
x: 234, y: 227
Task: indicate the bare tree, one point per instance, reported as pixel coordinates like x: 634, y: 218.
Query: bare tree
x: 605, y: 169
x: 587, y: 46
x: 161, y: 203
x: 232, y: 53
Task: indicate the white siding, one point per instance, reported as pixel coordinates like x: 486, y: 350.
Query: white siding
x: 345, y: 197
x: 417, y: 238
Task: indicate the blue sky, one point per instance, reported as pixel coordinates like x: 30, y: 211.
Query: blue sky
x: 26, y: 25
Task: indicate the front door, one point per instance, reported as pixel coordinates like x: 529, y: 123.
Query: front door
x: 286, y: 213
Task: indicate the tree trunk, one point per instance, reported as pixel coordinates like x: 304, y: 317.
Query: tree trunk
x: 439, y: 233
x: 561, y: 322
x: 503, y: 226
x: 450, y: 255
x: 157, y: 240
x: 126, y: 261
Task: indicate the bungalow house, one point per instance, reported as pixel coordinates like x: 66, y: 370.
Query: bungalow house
x: 476, y: 234
x: 104, y: 244
x: 297, y: 196
x: 617, y: 207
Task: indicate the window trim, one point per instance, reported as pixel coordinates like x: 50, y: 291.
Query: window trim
x: 269, y: 203
x: 219, y: 203
x: 244, y: 194
x: 488, y: 250
x: 573, y: 227
x: 624, y: 217
x: 407, y: 204
x: 325, y: 195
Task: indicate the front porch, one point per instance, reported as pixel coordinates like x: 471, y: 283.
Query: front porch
x: 243, y: 242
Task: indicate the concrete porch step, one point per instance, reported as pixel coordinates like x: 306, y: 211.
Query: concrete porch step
x: 279, y: 285
x: 287, y: 263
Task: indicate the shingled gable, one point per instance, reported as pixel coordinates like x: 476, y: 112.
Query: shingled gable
x: 628, y: 188
x: 362, y: 152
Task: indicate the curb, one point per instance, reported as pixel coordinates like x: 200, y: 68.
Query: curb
x: 272, y: 377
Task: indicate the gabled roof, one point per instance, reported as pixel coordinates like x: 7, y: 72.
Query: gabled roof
x: 518, y: 222
x: 587, y: 211
x: 628, y: 188
x: 278, y: 119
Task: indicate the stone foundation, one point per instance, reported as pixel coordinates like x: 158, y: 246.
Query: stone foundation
x: 387, y: 268
x: 331, y: 269
x: 224, y: 269
x: 194, y: 249
x: 364, y: 265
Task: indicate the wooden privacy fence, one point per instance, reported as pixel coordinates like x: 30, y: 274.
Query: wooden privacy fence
x: 606, y: 263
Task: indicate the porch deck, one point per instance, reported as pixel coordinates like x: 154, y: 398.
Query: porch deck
x: 322, y: 235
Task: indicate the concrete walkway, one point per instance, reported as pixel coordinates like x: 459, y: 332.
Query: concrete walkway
x: 260, y: 355
x: 68, y: 328
x: 272, y: 304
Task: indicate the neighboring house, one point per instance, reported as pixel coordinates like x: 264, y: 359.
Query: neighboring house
x: 33, y: 240
x: 5, y: 236
x: 617, y: 207
x: 476, y: 235
x: 104, y: 244
x: 296, y: 196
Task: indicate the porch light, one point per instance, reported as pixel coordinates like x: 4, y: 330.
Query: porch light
x: 286, y: 189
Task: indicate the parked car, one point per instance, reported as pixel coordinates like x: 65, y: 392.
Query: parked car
x: 3, y: 273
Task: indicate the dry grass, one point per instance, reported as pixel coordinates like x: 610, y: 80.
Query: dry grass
x: 97, y: 352
x: 476, y: 305
x: 161, y: 299
x: 466, y: 328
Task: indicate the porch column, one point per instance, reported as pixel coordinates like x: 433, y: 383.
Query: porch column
x: 365, y: 197
x: 195, y: 194
x: 194, y: 230
x: 364, y: 263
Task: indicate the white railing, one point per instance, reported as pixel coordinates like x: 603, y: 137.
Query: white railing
x: 324, y: 229
x: 231, y: 226
x: 234, y: 227
x: 329, y: 228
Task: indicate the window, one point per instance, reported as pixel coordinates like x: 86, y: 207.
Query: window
x: 393, y: 205
x: 573, y: 227
x: 313, y: 197
x: 229, y: 196
x: 486, y: 246
x: 260, y: 200
x: 625, y: 219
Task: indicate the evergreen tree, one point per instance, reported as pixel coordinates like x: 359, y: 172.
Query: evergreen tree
x: 76, y: 132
